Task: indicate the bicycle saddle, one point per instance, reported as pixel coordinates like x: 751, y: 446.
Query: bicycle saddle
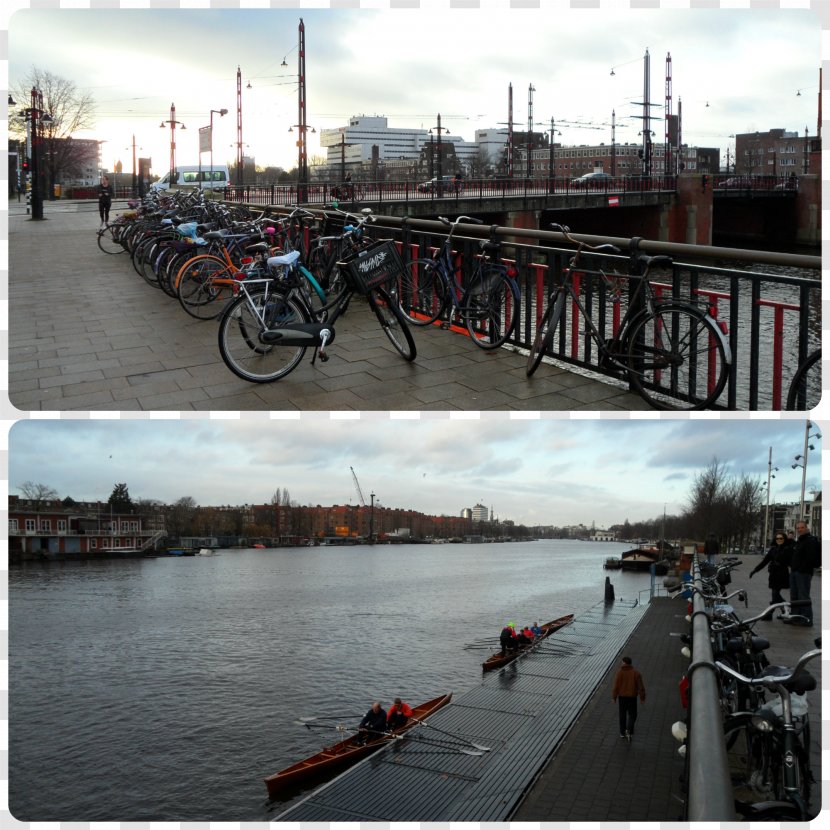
x: 805, y: 682
x: 283, y: 259
x: 757, y: 644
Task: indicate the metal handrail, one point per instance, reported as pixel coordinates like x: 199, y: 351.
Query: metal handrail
x: 710, y: 795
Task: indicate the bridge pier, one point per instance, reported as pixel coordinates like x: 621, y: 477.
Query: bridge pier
x: 526, y: 219
x: 808, y: 210
x: 690, y: 216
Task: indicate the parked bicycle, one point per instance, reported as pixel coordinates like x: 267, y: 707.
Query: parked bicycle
x: 768, y: 749
x: 673, y: 352
x: 265, y: 331
x: 488, y: 306
x: 804, y: 393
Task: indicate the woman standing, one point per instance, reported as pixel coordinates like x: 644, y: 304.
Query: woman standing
x: 777, y: 561
x: 105, y: 195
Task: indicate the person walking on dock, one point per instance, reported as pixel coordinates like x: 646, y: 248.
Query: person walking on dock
x: 777, y: 562
x: 806, y: 557
x: 628, y: 686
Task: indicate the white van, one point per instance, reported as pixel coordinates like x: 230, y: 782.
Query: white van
x: 217, y: 178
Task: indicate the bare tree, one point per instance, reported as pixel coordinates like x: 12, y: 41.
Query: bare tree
x: 37, y: 493
x: 70, y: 111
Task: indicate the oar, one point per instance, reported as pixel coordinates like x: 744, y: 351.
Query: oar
x: 442, y: 744
x: 452, y: 735
x: 329, y: 717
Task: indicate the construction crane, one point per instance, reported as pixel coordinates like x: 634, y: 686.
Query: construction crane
x: 357, y: 487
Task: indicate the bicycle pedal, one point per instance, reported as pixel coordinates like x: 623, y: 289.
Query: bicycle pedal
x: 445, y: 325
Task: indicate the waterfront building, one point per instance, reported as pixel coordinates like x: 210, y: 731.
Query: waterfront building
x: 480, y: 513
x: 51, y: 528
x: 775, y: 152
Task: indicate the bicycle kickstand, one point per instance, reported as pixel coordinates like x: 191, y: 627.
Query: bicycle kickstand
x: 325, y: 336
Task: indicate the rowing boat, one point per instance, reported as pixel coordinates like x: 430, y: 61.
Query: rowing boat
x: 345, y: 753
x: 500, y: 658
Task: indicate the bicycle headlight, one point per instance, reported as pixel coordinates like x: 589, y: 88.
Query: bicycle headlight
x: 760, y: 723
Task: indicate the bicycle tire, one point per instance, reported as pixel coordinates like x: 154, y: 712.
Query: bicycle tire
x: 489, y: 307
x: 545, y: 333
x: 393, y: 322
x: 109, y: 239
x: 197, y: 287
x: 240, y: 330
x: 422, y: 292
x: 677, y: 336
x: 806, y: 385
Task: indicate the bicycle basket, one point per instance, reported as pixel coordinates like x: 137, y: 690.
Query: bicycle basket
x: 372, y: 267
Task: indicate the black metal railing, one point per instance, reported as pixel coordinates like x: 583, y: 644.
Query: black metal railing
x: 709, y: 796
x: 749, y: 292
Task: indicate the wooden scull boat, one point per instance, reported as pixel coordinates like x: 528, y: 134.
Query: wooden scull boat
x: 500, y: 658
x: 345, y: 753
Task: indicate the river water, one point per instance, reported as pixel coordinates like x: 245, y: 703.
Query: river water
x: 166, y: 689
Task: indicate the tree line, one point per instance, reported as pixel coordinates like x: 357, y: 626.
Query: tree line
x: 728, y: 506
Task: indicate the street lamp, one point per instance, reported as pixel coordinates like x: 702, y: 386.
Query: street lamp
x: 210, y: 145
x: 35, y: 117
x: 135, y: 172
x: 770, y: 475
x: 552, y: 170
x: 801, y: 461
x: 438, y: 130
x: 173, y: 123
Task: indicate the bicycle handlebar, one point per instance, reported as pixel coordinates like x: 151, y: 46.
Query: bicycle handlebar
x: 771, y: 681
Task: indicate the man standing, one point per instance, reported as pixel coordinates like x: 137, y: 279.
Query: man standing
x: 806, y: 557
x: 628, y: 686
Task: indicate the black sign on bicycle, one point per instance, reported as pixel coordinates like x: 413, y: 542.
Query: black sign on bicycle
x: 378, y: 265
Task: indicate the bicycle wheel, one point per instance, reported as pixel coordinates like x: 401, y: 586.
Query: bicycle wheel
x: 109, y: 239
x: 489, y: 307
x: 805, y: 389
x: 747, y: 758
x: 676, y: 358
x: 240, y: 336
x: 545, y: 333
x: 422, y: 292
x: 204, y: 286
x: 393, y: 322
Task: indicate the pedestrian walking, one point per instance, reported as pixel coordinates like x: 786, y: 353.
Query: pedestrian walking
x: 777, y: 562
x: 105, y: 195
x: 806, y: 557
x: 628, y: 686
x: 711, y: 548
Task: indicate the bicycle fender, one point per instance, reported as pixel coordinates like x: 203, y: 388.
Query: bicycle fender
x: 313, y: 283
x: 762, y: 810
x: 727, y: 351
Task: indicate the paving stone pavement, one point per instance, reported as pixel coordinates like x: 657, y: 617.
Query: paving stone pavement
x: 87, y: 333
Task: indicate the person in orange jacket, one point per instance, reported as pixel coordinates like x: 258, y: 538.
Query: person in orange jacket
x: 399, y: 714
x: 628, y: 686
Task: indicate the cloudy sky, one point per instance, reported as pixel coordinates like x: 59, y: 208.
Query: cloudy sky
x: 746, y: 65
x: 534, y: 472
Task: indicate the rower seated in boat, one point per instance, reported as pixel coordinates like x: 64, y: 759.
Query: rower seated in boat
x: 507, y: 639
x: 527, y: 631
x: 372, y: 726
x: 522, y: 639
x: 399, y: 714
x: 537, y: 632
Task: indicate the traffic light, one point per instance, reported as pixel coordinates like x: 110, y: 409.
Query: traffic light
x: 26, y: 164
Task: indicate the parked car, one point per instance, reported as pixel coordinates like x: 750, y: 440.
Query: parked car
x: 448, y: 185
x: 599, y: 179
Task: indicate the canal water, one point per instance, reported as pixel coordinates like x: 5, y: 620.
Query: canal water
x: 167, y: 688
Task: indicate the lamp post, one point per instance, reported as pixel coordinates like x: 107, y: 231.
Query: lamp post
x: 801, y: 461
x: 221, y: 113
x: 770, y: 475
x: 173, y: 124
x: 439, y: 174
x: 552, y: 163
x: 36, y: 117
x: 135, y: 169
